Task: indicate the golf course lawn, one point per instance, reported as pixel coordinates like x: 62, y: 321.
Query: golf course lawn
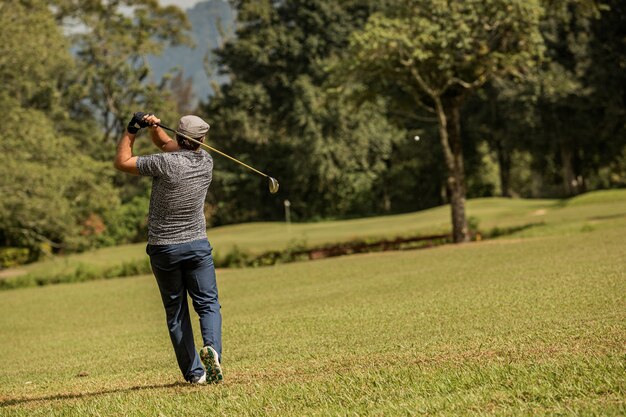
x: 526, y: 325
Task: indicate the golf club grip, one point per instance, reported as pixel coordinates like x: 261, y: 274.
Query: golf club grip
x: 211, y: 148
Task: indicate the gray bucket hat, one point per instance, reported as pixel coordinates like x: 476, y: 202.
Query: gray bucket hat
x: 193, y: 126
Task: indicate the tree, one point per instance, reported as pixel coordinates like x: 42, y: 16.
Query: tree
x: 112, y: 41
x: 586, y: 47
x: 34, y: 56
x: 504, y: 116
x: 56, y: 197
x: 279, y: 109
x: 606, y: 76
x: 566, y: 116
x: 561, y: 93
x: 438, y: 52
x: 182, y: 92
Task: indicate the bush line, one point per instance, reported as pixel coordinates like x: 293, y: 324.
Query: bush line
x: 83, y: 272
x: 235, y: 258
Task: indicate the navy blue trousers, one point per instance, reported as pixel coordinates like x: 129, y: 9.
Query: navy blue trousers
x: 181, y: 269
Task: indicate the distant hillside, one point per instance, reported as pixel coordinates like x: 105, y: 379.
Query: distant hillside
x: 205, y: 18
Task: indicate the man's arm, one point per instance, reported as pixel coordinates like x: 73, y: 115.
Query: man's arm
x: 159, y: 137
x: 124, y: 159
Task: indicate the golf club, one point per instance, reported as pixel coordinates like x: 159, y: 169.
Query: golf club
x: 273, y: 183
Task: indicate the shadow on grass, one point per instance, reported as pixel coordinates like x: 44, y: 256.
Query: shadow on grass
x: 507, y: 231
x: 608, y: 217
x: 70, y: 396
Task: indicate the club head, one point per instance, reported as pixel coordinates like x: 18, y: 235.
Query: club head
x: 273, y: 185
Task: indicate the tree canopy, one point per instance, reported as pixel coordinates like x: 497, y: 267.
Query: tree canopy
x: 112, y: 42
x: 357, y: 107
x: 437, y: 52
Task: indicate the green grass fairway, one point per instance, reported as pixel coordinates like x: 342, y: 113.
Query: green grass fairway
x: 532, y: 326
x: 534, y: 217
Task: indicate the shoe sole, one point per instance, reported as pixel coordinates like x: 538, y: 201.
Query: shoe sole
x: 213, y: 369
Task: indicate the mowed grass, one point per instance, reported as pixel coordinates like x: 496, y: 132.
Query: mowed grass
x: 528, y: 217
x: 533, y: 326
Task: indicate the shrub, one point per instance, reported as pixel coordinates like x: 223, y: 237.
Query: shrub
x: 10, y: 256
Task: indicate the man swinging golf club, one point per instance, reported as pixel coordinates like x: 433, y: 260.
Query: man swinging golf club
x: 179, y: 251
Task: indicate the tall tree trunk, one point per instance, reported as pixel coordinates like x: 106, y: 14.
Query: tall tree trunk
x: 570, y: 181
x: 504, y: 165
x: 450, y: 136
x: 497, y: 139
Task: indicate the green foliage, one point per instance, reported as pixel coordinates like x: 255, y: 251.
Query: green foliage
x: 60, y: 198
x: 435, y: 46
x: 112, y: 43
x: 326, y: 96
x: 127, y: 223
x: 53, y: 201
x: 566, y: 117
x: 481, y: 162
x: 279, y: 109
x: 10, y: 257
x: 82, y: 273
x: 436, y: 53
x: 34, y: 55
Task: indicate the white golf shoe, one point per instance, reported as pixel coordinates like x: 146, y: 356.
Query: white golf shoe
x: 199, y: 379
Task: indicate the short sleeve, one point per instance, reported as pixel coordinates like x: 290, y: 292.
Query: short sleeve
x: 152, y: 165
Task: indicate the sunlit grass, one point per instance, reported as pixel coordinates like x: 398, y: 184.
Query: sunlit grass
x: 505, y: 327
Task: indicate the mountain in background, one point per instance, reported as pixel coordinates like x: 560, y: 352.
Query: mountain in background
x: 206, y: 19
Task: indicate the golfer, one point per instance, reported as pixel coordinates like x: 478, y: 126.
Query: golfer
x: 180, y: 254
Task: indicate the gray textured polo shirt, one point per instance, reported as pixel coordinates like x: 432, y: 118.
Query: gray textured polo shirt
x: 180, y: 181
